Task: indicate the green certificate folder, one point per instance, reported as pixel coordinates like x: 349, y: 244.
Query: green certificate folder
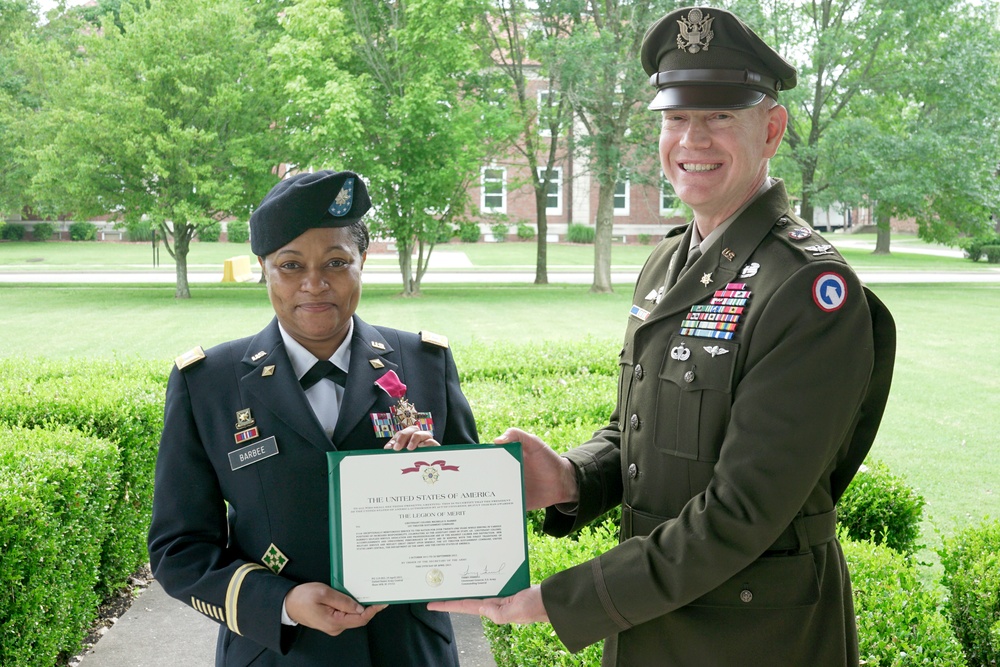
x: 437, y: 523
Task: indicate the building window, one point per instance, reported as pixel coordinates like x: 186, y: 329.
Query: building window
x: 554, y: 192
x: 621, y: 197
x: 494, y: 197
x: 548, y: 110
x: 669, y: 203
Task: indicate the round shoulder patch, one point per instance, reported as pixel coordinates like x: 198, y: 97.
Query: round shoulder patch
x: 829, y: 291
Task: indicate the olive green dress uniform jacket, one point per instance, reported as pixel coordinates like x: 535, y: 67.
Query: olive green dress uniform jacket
x: 215, y: 560
x: 722, y: 454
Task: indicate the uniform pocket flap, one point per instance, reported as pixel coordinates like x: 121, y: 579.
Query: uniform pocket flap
x: 695, y: 364
x: 772, y: 582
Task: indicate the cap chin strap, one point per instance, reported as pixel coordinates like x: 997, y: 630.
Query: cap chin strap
x: 734, y: 77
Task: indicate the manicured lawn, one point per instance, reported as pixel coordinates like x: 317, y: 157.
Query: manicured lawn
x: 519, y: 256
x: 939, y: 431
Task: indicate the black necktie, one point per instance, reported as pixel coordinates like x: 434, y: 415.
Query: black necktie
x: 320, y: 370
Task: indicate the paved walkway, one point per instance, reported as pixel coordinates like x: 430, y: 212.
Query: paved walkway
x: 159, y: 631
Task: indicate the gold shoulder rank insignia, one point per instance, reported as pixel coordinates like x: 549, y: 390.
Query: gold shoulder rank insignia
x: 190, y: 357
x: 434, y: 339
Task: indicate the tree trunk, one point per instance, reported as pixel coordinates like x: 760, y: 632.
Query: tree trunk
x: 406, y: 269
x: 808, y: 176
x: 602, y: 238
x: 182, y: 243
x: 882, y: 232
x: 542, y: 252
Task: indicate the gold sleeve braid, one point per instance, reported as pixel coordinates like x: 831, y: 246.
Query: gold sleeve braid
x: 233, y: 594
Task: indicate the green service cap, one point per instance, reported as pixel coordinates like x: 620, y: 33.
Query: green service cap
x: 707, y: 58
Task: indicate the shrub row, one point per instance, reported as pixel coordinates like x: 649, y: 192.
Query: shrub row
x: 56, y: 489
x: 976, y: 247
x: 121, y: 402
x: 899, y: 622
x: 562, y: 392
x: 880, y: 507
x: 971, y: 561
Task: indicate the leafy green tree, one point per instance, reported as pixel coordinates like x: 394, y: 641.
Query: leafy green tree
x: 395, y: 90
x: 516, y: 36
x: 17, y: 25
x: 857, y: 62
x: 925, y: 140
x: 165, y: 120
x: 606, y: 85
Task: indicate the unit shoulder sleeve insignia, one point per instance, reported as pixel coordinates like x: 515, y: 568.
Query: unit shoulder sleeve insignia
x: 189, y: 358
x: 434, y: 339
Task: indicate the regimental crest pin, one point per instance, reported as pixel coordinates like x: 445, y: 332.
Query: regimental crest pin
x: 244, y: 419
x: 696, y: 32
x: 342, y: 202
x: 799, y: 233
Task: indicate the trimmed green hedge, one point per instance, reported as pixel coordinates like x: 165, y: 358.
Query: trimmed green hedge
x: 56, y: 489
x: 560, y: 391
x: 881, y: 507
x: 971, y: 561
x: 118, y: 401
x: 43, y: 231
x: 82, y: 231
x: 238, y: 231
x: 12, y: 232
x: 537, y: 644
x: 899, y: 623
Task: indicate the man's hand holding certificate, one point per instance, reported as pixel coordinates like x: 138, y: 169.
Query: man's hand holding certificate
x: 430, y: 524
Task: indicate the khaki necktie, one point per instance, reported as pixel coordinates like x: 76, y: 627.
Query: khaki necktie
x: 692, y: 257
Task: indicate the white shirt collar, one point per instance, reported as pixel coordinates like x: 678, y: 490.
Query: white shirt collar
x: 302, y: 359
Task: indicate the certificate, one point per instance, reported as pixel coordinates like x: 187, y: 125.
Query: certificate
x: 436, y: 523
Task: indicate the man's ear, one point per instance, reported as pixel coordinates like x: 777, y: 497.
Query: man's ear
x: 777, y: 121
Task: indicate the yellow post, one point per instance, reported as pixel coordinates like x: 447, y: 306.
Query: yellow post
x: 236, y: 270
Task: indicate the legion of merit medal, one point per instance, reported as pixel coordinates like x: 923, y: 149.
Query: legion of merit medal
x: 401, y: 415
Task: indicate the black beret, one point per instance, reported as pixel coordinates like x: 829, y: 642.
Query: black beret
x: 304, y: 201
x: 707, y: 58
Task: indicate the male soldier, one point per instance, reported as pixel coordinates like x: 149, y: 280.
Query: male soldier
x: 240, y: 526
x: 754, y: 373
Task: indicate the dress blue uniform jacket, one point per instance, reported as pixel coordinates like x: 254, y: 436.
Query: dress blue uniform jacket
x: 232, y: 543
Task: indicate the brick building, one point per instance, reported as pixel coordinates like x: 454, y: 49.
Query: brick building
x: 504, y: 191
